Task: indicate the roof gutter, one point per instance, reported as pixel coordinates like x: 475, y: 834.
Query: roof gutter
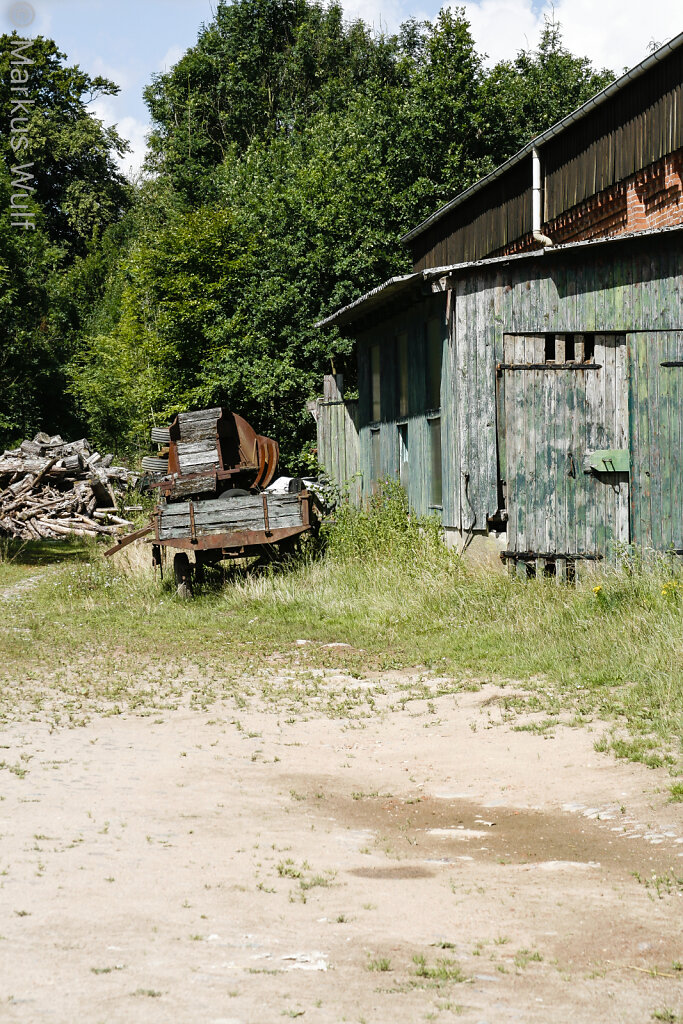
x: 536, y: 232
x: 549, y: 133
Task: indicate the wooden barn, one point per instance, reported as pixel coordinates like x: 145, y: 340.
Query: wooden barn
x: 525, y: 381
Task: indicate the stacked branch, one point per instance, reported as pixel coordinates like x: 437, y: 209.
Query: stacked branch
x: 51, y: 489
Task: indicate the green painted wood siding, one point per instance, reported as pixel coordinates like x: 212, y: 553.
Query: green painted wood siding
x: 554, y: 418
x: 625, y: 291
x: 619, y: 288
x: 408, y: 332
x: 338, y: 445
x: 656, y: 439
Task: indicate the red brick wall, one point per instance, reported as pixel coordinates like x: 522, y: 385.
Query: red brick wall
x: 652, y: 198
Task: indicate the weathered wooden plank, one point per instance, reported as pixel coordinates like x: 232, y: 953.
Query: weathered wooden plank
x: 676, y: 454
x: 462, y: 390
x: 203, y: 459
x: 199, y: 430
x: 187, y: 448
x: 645, y: 452
x: 518, y: 385
x: 554, y: 492
x: 200, y: 414
x: 451, y: 464
x: 665, y: 414
x: 243, y: 502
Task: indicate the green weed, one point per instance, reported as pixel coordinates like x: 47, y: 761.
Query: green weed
x: 382, y: 963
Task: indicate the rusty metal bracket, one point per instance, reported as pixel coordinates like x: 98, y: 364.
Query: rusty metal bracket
x: 546, y: 366
x: 193, y: 530
x: 265, y: 514
x: 530, y: 556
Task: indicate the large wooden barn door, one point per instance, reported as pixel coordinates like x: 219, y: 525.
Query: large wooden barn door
x: 564, y: 459
x: 656, y: 438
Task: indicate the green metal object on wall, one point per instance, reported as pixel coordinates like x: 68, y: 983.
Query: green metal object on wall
x: 608, y: 460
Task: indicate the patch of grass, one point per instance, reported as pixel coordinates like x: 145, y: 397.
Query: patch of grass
x: 443, y: 970
x: 385, y: 585
x: 151, y: 992
x: 288, y: 869
x: 540, y: 728
x: 382, y: 963
x: 665, y: 1014
x: 527, y: 956
x: 661, y: 885
x: 314, y: 882
x: 677, y: 793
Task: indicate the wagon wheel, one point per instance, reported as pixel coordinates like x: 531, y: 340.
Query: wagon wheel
x: 183, y: 575
x: 290, y: 547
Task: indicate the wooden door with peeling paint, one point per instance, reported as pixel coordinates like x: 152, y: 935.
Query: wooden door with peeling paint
x: 656, y: 435
x: 563, y: 432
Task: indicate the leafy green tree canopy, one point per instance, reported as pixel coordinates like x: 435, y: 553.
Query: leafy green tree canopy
x: 71, y: 185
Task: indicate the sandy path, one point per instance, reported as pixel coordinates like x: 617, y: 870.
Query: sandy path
x: 189, y: 868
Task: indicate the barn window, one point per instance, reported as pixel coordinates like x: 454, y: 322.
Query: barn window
x: 402, y: 363
x: 434, y: 356
x: 436, y: 494
x: 550, y: 348
x: 375, y: 382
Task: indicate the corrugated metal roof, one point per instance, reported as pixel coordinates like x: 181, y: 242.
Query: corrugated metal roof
x: 380, y: 295
x: 376, y: 297
x: 549, y: 133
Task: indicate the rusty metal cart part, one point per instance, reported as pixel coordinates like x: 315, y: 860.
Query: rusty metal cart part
x: 213, y: 501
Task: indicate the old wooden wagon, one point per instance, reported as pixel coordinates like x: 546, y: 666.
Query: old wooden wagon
x: 215, y: 495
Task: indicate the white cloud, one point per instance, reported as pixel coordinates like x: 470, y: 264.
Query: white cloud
x: 385, y: 16
x: 612, y: 33
x: 130, y: 128
x: 616, y: 33
x: 503, y: 27
x: 135, y: 132
x: 98, y: 66
x: 171, y: 57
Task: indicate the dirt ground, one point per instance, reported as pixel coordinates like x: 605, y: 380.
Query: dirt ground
x: 239, y: 866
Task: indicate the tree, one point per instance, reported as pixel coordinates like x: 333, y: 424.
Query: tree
x: 292, y: 150
x: 75, y: 194
x: 524, y: 96
x: 260, y: 68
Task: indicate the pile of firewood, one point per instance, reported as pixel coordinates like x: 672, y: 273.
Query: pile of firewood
x: 50, y: 489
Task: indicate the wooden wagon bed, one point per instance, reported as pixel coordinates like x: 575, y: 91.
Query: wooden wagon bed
x: 232, y: 523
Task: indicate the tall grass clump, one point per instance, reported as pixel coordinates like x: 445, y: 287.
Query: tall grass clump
x: 383, y: 530
x: 378, y: 570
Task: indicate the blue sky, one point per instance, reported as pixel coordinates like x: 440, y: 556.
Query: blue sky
x: 130, y: 40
